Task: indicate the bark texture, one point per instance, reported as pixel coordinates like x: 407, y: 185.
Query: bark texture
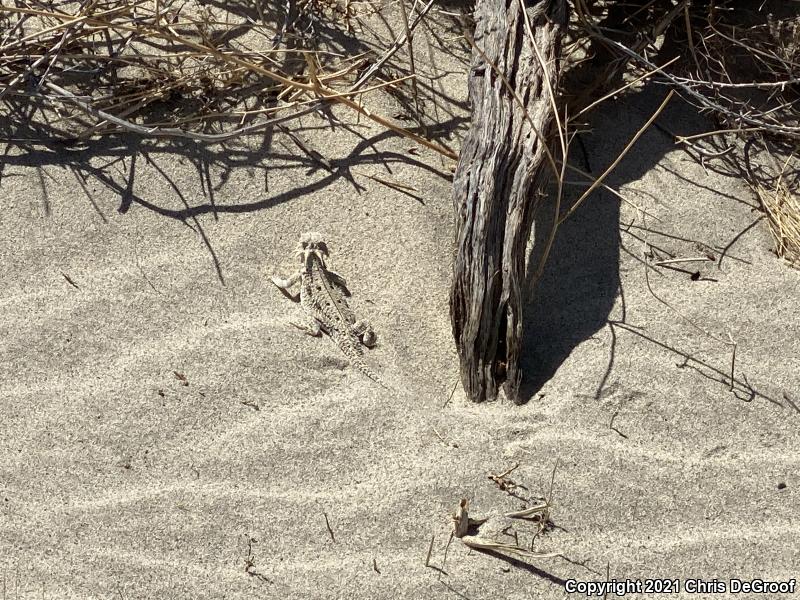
x: 500, y: 170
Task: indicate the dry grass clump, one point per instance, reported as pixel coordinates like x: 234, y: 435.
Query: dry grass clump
x: 752, y: 70
x: 183, y: 68
x: 782, y: 208
x: 175, y: 63
x: 736, y: 60
x: 212, y: 71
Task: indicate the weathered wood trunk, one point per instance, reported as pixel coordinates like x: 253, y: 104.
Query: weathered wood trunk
x: 499, y: 171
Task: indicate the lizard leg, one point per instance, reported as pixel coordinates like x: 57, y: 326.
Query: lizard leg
x: 285, y: 284
x: 364, y: 330
x: 337, y: 279
x: 312, y: 328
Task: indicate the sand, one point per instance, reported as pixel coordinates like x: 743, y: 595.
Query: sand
x: 275, y: 470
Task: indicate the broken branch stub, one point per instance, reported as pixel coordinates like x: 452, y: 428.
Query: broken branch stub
x: 500, y: 168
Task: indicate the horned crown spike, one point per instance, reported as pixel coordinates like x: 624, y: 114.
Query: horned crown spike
x: 312, y: 239
x: 310, y: 243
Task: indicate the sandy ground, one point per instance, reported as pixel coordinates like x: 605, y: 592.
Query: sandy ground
x: 127, y: 261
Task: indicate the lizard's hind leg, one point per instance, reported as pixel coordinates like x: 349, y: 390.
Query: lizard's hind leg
x: 364, y: 330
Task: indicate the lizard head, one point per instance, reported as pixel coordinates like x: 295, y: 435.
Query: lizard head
x: 312, y: 243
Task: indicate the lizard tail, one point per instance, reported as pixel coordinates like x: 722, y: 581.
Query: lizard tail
x: 359, y: 364
x: 351, y: 348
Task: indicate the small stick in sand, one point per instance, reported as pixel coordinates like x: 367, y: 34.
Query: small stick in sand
x: 328, y: 525
x: 663, y: 263
x: 790, y: 401
x: 504, y: 483
x: 648, y: 254
x: 69, y: 281
x: 450, y: 397
x: 462, y: 523
x: 249, y: 563
x: 446, y: 550
x: 251, y: 404
x: 430, y: 550
x: 443, y: 440
x: 611, y: 422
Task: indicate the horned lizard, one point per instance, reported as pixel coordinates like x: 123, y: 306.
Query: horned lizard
x: 322, y: 294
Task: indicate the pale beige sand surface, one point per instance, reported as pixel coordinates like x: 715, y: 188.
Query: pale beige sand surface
x: 119, y: 481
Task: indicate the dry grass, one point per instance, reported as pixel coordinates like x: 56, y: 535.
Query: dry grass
x: 782, y: 208
x: 212, y: 72
x: 184, y: 68
x: 737, y: 61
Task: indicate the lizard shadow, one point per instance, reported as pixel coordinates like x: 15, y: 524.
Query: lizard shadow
x: 580, y: 284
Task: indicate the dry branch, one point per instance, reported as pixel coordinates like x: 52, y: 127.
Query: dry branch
x: 500, y: 170
x: 123, y: 64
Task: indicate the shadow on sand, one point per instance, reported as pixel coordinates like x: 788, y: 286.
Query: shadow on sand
x: 116, y: 163
x: 581, y: 280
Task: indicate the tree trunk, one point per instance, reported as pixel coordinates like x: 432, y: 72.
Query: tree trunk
x: 499, y: 170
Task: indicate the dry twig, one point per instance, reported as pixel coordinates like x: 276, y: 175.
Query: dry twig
x: 178, y: 69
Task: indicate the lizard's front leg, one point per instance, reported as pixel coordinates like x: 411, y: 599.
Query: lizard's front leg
x: 312, y: 328
x: 285, y: 284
